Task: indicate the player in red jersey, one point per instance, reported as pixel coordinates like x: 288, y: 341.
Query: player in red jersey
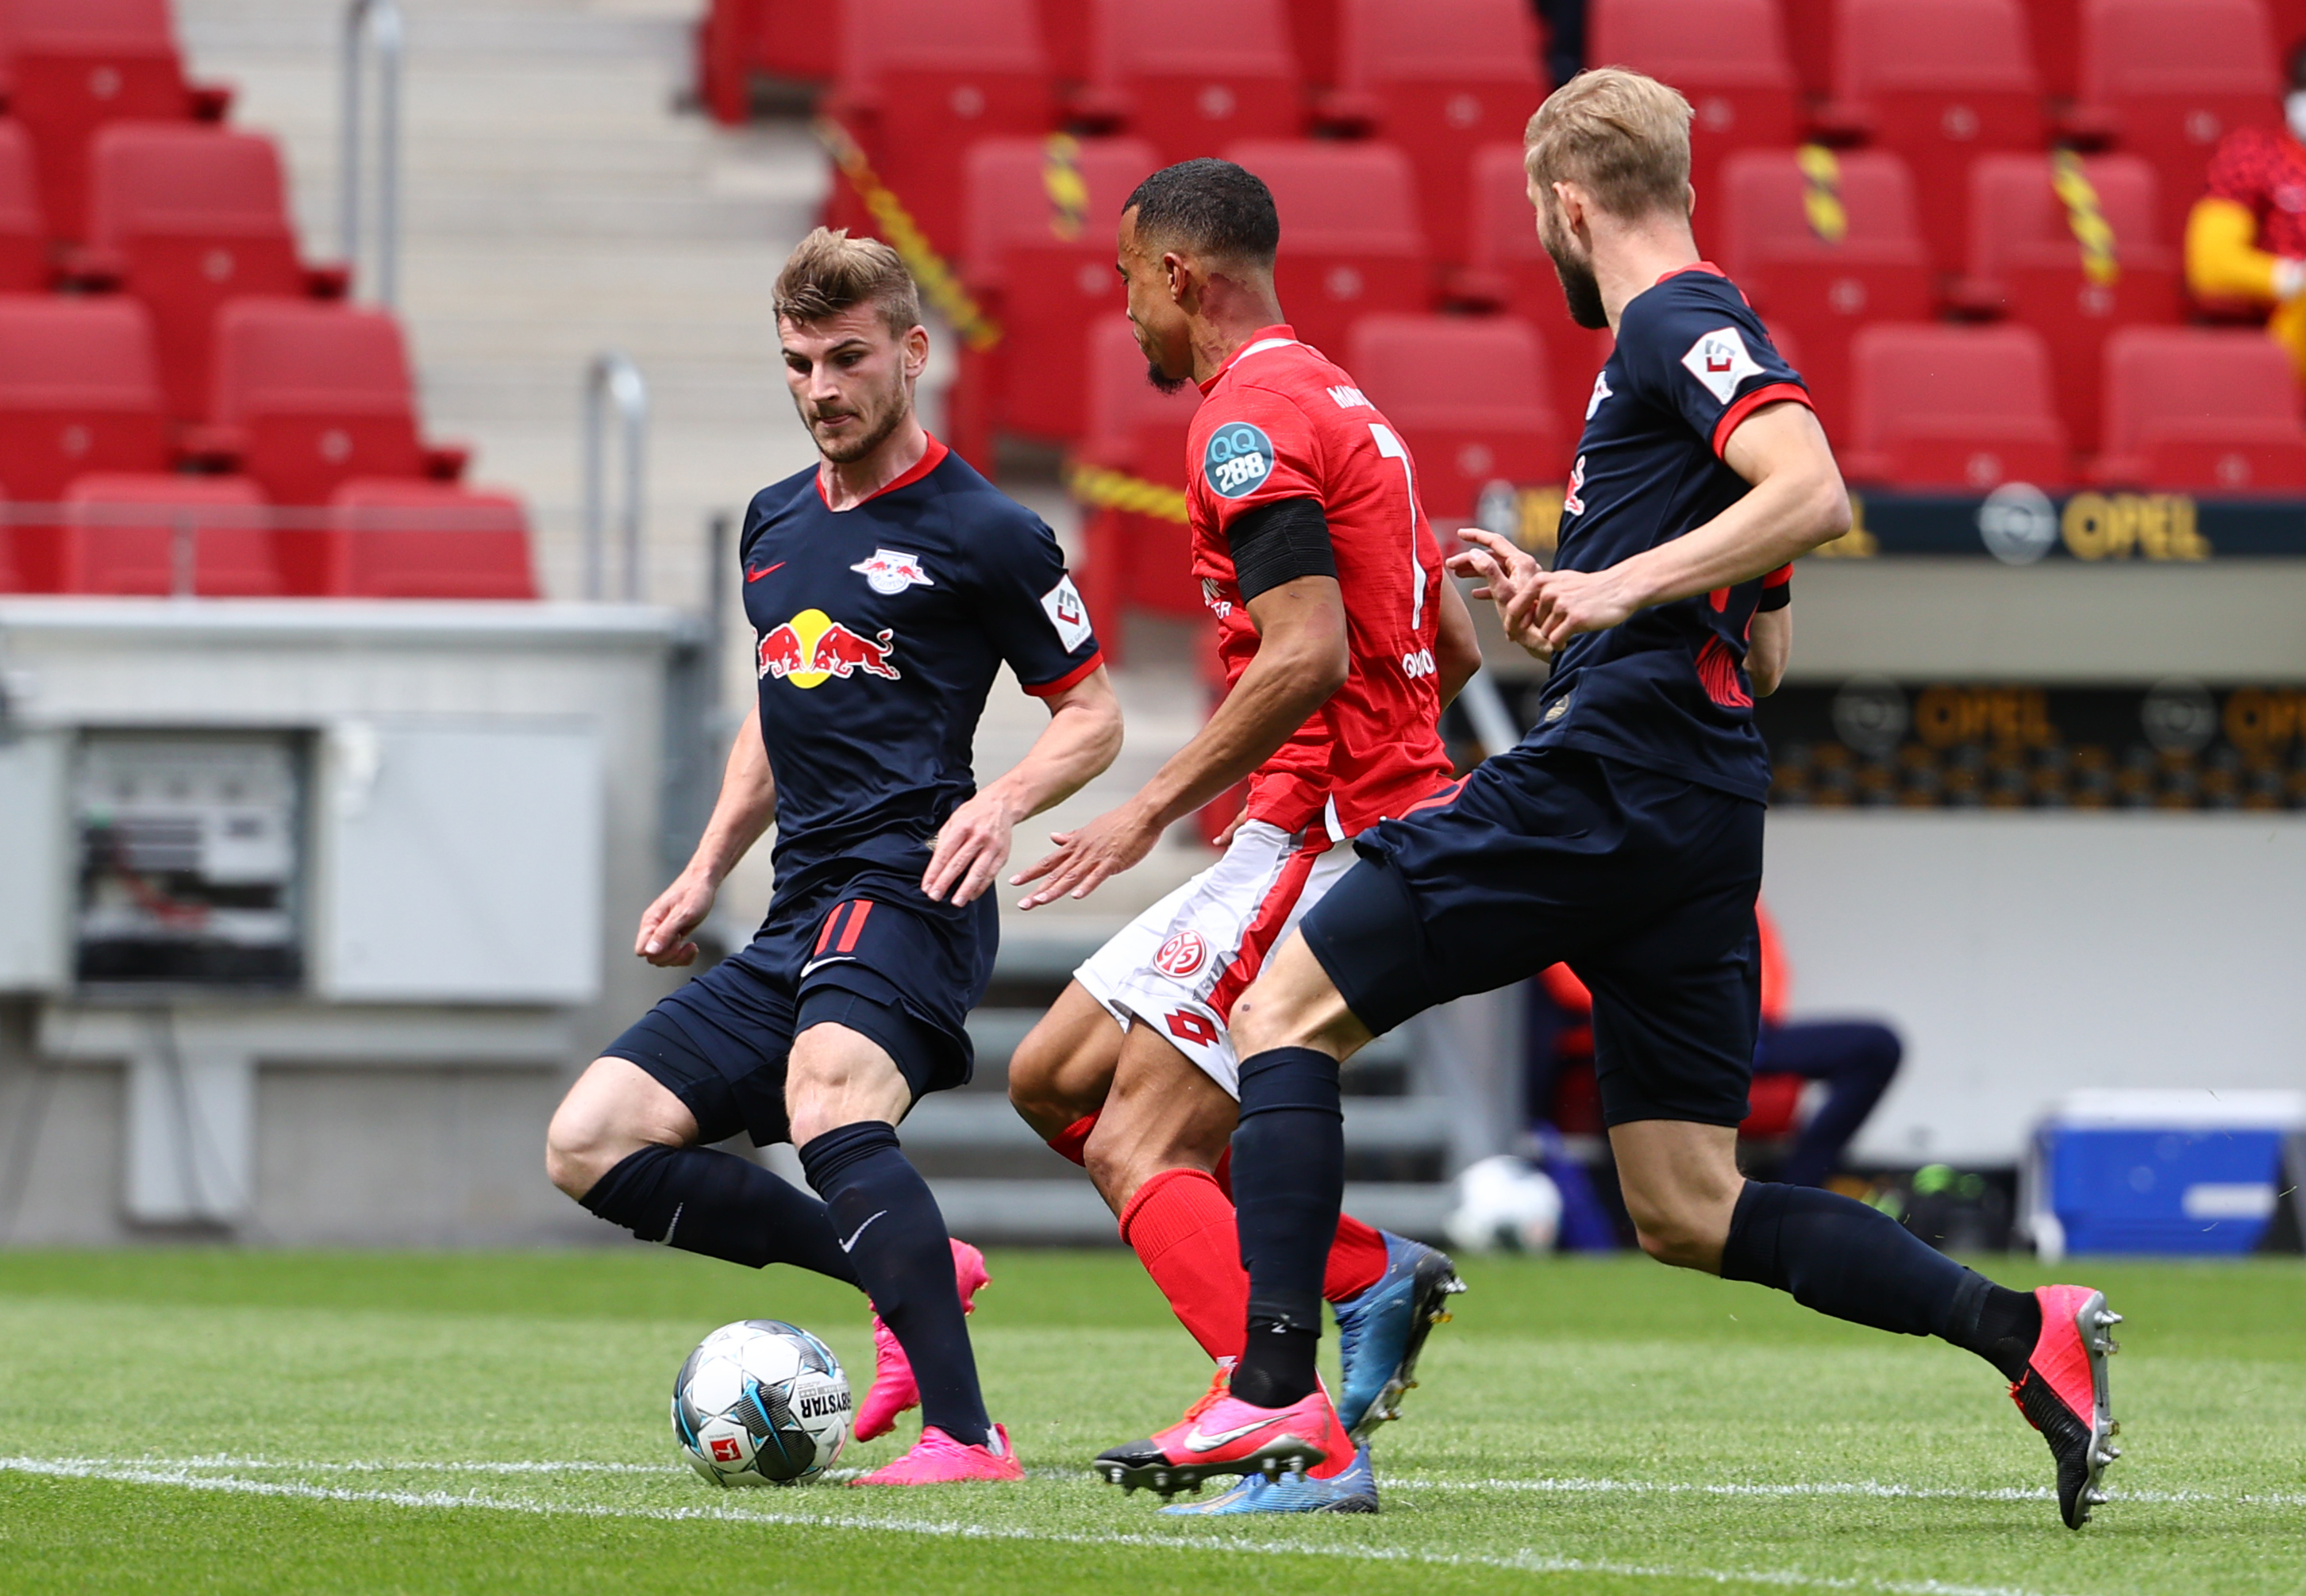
x: 1341, y: 642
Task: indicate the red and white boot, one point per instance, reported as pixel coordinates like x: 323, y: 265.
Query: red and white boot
x: 893, y: 1389
x: 1220, y: 1434
x: 2064, y: 1392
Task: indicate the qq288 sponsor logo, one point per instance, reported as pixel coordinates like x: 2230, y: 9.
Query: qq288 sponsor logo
x: 1236, y: 459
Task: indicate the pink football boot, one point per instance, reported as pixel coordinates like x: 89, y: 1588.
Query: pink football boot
x: 894, y: 1390
x: 937, y: 1459
x: 2064, y: 1393
x: 1221, y: 1434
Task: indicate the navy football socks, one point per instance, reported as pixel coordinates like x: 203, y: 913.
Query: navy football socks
x: 888, y: 1224
x: 703, y: 1200
x: 1288, y: 1187
x: 1841, y: 1257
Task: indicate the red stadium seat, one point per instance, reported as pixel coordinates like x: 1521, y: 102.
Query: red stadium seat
x: 79, y: 391
x: 1508, y: 269
x: 2027, y: 258
x: 1953, y: 409
x: 1440, y: 79
x: 2214, y: 410
x: 1134, y: 558
x: 186, y: 217
x: 1313, y: 30
x: 2169, y: 77
x: 920, y: 81
x: 74, y: 65
x: 23, y: 225
x: 404, y: 540
x: 1809, y: 42
x: 1728, y: 57
x: 796, y: 40
x: 1781, y: 211
x: 1938, y: 81
x: 1064, y: 36
x: 1191, y: 76
x: 1350, y: 242
x: 1470, y: 396
x: 1039, y: 253
x: 125, y: 534
x: 2056, y: 27
x: 309, y: 397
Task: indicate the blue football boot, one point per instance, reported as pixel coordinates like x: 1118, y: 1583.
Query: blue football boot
x: 1352, y: 1491
x: 1381, y: 1332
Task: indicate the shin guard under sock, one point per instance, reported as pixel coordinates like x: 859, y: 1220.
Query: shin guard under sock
x: 1289, y: 1183
x: 1183, y: 1230
x: 888, y: 1224
x: 700, y: 1200
x: 1841, y: 1257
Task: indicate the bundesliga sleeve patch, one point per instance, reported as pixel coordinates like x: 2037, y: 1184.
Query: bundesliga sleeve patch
x: 1720, y: 360
x: 1237, y: 458
x: 1067, y: 613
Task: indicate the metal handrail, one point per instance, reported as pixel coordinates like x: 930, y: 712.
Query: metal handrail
x: 378, y: 23
x: 613, y: 379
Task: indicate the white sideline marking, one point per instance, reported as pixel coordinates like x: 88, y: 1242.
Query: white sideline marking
x: 180, y: 1475
x: 1855, y: 1488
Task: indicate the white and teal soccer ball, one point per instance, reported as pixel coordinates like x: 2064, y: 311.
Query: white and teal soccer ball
x: 1505, y: 1204
x: 760, y: 1403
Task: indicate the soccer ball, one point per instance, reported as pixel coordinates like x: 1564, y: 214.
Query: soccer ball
x: 760, y: 1403
x: 1505, y: 1204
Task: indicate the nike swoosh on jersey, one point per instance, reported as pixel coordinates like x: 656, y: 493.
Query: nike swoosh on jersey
x: 861, y: 1229
x: 1195, y: 1441
x: 816, y: 964
x: 753, y: 575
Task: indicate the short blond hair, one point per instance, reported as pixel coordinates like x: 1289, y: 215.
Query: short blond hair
x: 1621, y: 136
x: 831, y: 272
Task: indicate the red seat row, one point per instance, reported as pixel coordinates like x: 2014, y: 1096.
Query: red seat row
x: 127, y: 534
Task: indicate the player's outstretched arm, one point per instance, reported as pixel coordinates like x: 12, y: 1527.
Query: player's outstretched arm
x: 1798, y: 502
x: 1079, y: 743
x: 1302, y: 658
x: 1457, y: 647
x: 747, y: 803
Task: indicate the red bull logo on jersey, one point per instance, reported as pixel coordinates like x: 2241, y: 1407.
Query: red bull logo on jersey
x: 892, y: 571
x: 812, y: 647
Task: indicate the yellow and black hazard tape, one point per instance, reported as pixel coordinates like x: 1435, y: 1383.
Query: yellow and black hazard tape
x: 1822, y: 193
x: 938, y: 281
x: 2093, y: 233
x: 1103, y: 489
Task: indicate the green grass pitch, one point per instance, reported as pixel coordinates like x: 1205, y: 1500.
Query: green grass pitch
x: 195, y: 1420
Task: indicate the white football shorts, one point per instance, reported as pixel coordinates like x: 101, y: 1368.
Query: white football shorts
x: 1180, y: 965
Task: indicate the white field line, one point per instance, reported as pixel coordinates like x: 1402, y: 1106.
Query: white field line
x: 1544, y: 1486
x: 1525, y: 1562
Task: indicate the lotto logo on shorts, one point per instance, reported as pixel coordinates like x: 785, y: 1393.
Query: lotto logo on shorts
x: 1237, y: 458
x: 1182, y: 955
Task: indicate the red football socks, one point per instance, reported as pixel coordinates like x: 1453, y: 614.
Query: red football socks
x: 1072, y: 1141
x: 1356, y: 1260
x: 1182, y: 1226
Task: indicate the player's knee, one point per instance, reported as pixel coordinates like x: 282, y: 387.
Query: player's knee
x: 1684, y: 1234
x: 577, y: 1146
x: 1036, y: 1084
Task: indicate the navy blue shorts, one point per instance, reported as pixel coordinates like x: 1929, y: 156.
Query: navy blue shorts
x: 867, y: 952
x: 1643, y: 883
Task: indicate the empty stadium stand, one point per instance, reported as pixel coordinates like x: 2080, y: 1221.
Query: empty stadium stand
x: 1438, y: 79
x: 1134, y: 558
x: 738, y: 39
x: 2072, y: 250
x: 1823, y: 244
x: 397, y: 539
x: 1939, y: 83
x: 310, y: 397
x: 1471, y: 399
x: 24, y: 260
x: 1508, y: 269
x: 128, y: 532
x: 921, y: 80
x: 1040, y: 260
x: 79, y: 392
x: 2212, y: 410
x: 1191, y: 76
x: 187, y: 217
x: 2166, y: 79
x: 1727, y: 57
x: 1952, y: 409
x: 1350, y: 239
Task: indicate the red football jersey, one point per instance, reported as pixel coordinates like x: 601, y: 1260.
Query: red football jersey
x: 1279, y: 421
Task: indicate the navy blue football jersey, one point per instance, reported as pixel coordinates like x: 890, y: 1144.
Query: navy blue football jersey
x: 1668, y: 689
x: 880, y: 629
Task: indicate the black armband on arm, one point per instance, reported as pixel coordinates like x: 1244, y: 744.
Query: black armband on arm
x: 1777, y: 591
x: 1278, y: 543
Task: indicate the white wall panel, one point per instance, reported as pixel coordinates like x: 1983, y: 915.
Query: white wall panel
x: 34, y: 863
